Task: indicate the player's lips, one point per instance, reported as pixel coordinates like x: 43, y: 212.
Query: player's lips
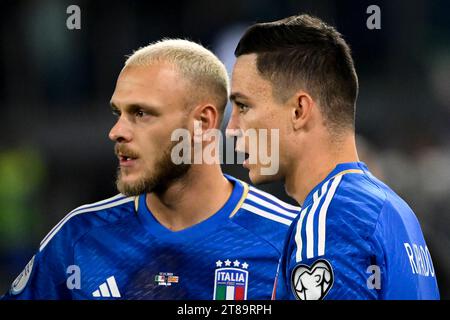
x: 126, y: 156
x: 126, y: 161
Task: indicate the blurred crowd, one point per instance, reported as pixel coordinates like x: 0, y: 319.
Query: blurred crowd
x: 55, y: 87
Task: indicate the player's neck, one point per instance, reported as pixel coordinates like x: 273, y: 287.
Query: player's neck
x: 192, y: 199
x: 315, y: 164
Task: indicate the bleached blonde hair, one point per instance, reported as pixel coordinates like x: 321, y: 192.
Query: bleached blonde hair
x: 205, y: 73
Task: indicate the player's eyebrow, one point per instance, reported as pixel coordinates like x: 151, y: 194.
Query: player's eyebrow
x: 135, y: 107
x: 237, y: 95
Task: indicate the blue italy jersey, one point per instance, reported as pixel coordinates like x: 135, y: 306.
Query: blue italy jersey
x: 116, y: 249
x: 355, y: 239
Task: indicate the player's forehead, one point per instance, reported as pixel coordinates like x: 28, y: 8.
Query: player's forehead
x: 149, y: 77
x: 158, y: 83
x: 245, y: 67
x: 247, y: 81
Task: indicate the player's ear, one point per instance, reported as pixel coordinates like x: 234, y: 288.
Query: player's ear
x: 207, y: 115
x: 301, y: 109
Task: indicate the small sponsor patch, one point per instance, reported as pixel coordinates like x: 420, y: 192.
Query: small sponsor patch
x: 166, y: 279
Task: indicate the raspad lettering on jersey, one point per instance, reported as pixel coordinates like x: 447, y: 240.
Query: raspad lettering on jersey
x: 420, y: 259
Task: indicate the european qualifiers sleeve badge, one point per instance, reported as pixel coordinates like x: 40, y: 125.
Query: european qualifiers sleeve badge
x: 312, y: 283
x: 231, y: 280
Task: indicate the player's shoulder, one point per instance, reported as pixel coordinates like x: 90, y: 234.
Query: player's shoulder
x: 368, y: 200
x: 396, y: 214
x: 339, y: 214
x: 83, y: 218
x: 360, y: 187
x: 265, y: 215
x: 351, y: 205
x: 357, y: 195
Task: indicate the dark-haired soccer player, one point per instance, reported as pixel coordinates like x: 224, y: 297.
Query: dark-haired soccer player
x: 176, y: 231
x: 355, y: 238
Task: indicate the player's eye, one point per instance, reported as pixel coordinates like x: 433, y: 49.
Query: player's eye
x: 116, y: 113
x: 140, y: 113
x: 243, y: 108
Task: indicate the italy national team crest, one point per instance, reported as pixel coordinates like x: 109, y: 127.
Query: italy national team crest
x: 231, y: 280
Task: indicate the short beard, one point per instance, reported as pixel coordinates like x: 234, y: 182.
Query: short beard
x: 158, y: 180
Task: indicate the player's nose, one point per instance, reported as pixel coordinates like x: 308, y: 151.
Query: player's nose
x: 120, y: 132
x: 233, y: 128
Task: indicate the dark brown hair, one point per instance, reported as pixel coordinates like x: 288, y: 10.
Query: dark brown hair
x: 303, y: 52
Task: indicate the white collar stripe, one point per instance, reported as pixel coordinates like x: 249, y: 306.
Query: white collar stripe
x: 271, y: 206
x: 266, y: 214
x: 283, y: 204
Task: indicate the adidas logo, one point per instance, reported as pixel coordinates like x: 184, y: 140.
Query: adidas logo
x: 107, y: 289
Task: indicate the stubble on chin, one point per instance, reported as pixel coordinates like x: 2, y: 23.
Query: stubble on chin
x: 158, y: 179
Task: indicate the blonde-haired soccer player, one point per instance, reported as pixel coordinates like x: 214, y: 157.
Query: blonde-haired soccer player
x: 176, y: 230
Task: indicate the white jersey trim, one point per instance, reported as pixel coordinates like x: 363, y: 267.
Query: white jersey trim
x: 266, y: 214
x: 287, y: 206
x: 310, y: 214
x: 76, y: 212
x: 271, y: 206
x: 323, y: 215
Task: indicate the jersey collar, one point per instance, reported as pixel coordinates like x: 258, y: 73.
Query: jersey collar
x: 200, y: 229
x: 340, y: 169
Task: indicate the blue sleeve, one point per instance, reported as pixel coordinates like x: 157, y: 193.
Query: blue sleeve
x: 330, y: 263
x: 44, y: 277
x: 410, y: 272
